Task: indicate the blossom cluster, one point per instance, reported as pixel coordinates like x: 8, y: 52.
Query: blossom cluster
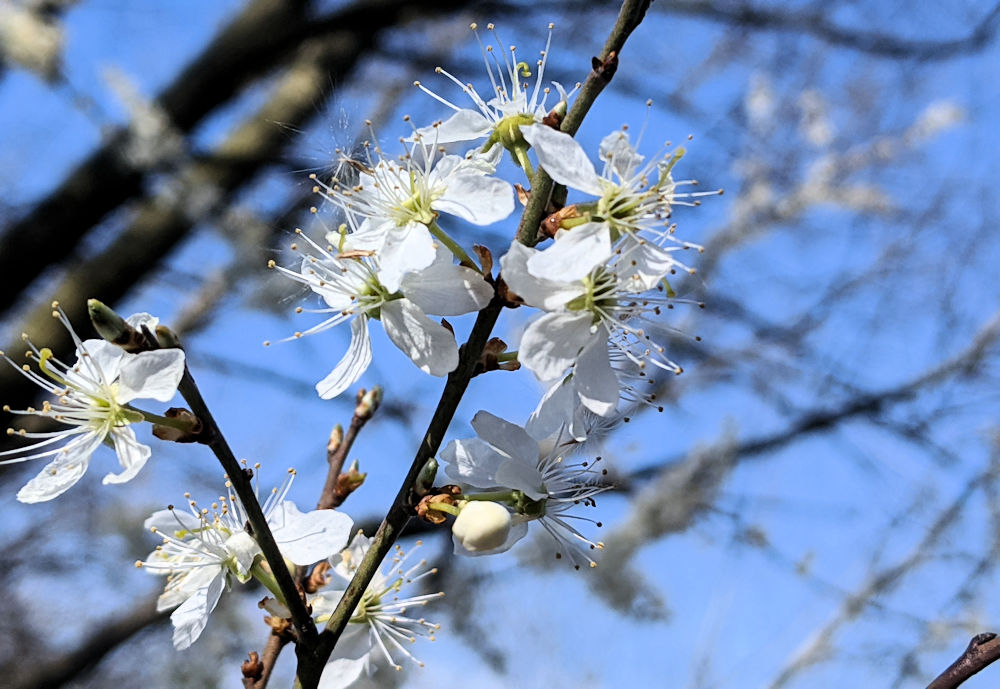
x: 598, y: 278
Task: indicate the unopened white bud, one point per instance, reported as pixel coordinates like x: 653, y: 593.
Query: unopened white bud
x: 482, y: 526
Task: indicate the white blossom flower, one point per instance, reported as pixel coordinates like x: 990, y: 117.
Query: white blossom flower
x: 589, y: 293
x: 392, y: 207
x: 204, y: 549
x: 501, y: 115
x: 380, y: 624
x: 540, y: 485
x: 93, y: 399
x: 351, y: 285
x: 632, y: 201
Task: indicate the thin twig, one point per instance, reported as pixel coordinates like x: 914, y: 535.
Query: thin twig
x: 983, y: 650
x: 261, y: 532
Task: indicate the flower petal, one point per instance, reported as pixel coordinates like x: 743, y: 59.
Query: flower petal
x: 507, y: 437
x: 191, y: 617
x: 305, y: 538
x: 642, y: 265
x: 472, y: 461
x: 407, y: 248
x: 151, y: 375
x: 445, y: 289
x: 132, y: 455
x: 430, y: 345
x: 464, y: 125
x: 596, y: 382
x: 352, y: 365
x: 61, y: 473
x: 477, y: 199
x: 536, y: 291
x: 575, y: 253
x: 558, y: 409
x: 563, y: 158
x: 552, y: 343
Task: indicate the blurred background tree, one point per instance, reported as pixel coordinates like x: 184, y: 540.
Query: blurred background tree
x: 815, y: 505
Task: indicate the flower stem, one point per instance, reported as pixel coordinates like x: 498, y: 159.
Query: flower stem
x: 261, y: 574
x: 160, y: 420
x: 442, y: 507
x: 507, y: 356
x: 454, y: 247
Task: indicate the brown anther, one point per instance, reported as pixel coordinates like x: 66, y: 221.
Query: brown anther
x: 318, y: 577
x: 252, y: 668
x: 448, y: 326
x: 553, y: 223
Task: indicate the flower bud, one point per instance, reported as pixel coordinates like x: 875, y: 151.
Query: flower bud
x: 482, y: 526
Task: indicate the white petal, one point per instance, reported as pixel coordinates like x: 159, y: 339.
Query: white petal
x: 132, y: 455
x: 370, y: 236
x: 407, y: 248
x: 642, y: 265
x: 620, y: 153
x: 191, y: 617
x: 575, y: 253
x: 305, y: 538
x: 558, y: 409
x: 477, y: 199
x: 552, y: 343
x: 520, y: 476
x: 563, y: 158
x: 172, y: 521
x: 245, y: 550
x: 506, y: 437
x: 104, y: 355
x: 430, y: 345
x: 464, y: 125
x: 151, y: 375
x: 62, y: 472
x: 355, y: 362
x: 188, y: 583
x: 447, y: 289
x: 340, y: 673
x: 534, y: 290
x: 472, y: 461
x: 596, y: 382
x: 137, y: 320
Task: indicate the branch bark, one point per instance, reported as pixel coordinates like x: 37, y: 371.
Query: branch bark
x: 983, y: 650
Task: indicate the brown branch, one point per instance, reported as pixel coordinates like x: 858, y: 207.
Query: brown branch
x: 983, y: 650
x: 817, y: 24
